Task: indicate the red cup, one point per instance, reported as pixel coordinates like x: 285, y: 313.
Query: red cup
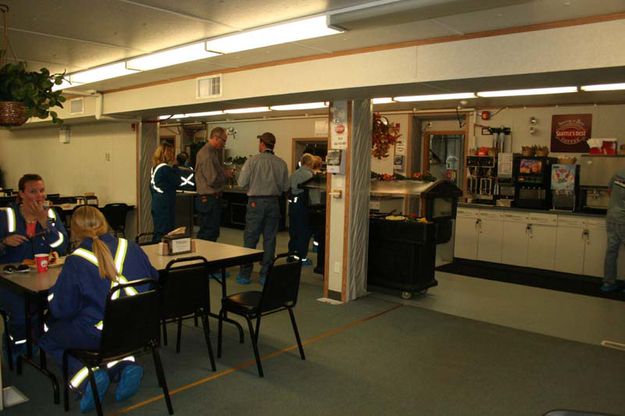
x: 609, y: 147
x: 42, y: 262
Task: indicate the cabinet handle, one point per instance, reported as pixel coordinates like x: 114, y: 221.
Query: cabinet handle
x: 478, y: 225
x: 528, y: 230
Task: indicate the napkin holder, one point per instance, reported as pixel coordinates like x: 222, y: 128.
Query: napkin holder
x: 177, y: 242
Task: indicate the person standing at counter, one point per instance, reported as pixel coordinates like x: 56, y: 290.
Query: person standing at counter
x: 266, y: 178
x: 210, y: 178
x: 163, y: 184
x: 615, y: 225
x: 27, y: 227
x: 185, y: 172
x: 300, y: 229
x: 78, y: 299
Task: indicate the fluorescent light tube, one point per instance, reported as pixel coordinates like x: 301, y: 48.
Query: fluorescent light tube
x: 530, y: 91
x: 247, y: 110
x: 303, y: 106
x: 435, y: 97
x: 313, y: 27
x: 64, y: 85
x: 100, y: 73
x: 164, y: 117
x: 382, y: 100
x: 603, y: 87
x: 170, y: 57
x: 205, y: 114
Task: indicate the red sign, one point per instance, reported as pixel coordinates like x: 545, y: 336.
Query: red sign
x: 569, y: 133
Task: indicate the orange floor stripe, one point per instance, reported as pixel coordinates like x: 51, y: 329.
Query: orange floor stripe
x: 252, y: 362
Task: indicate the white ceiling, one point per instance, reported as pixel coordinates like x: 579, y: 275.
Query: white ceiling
x: 73, y: 35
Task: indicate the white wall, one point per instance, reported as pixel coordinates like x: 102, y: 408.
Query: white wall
x: 79, y: 166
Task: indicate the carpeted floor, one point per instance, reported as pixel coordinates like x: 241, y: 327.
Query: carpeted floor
x: 369, y: 357
x: 545, y: 279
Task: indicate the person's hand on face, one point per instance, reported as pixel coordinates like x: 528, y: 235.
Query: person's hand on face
x: 33, y: 199
x: 14, y: 240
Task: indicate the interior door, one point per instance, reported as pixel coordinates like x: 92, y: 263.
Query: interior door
x: 444, y: 155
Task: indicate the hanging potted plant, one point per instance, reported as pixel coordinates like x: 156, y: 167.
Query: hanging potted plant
x: 25, y: 94
x: 384, y: 135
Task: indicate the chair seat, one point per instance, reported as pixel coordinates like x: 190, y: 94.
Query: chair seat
x: 244, y: 302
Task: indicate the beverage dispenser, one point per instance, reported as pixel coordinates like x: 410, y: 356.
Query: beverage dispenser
x: 532, y: 182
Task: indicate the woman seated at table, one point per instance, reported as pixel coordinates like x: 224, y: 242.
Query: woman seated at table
x: 77, y: 302
x: 27, y: 227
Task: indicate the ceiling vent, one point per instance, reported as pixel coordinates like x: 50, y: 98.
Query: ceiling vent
x: 77, y: 106
x: 209, y: 87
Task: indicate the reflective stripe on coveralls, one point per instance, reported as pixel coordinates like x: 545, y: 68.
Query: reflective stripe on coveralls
x: 187, y: 180
x: 153, y: 175
x: 120, y: 256
x: 10, y: 219
x: 52, y: 216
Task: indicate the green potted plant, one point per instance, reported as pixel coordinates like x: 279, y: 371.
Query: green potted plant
x: 25, y: 94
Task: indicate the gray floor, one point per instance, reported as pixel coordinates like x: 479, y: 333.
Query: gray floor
x: 468, y: 347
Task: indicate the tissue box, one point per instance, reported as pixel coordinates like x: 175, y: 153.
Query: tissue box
x: 177, y: 245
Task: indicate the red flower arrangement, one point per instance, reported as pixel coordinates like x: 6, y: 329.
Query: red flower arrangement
x: 384, y: 135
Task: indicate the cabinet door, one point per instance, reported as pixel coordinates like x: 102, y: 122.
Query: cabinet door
x: 570, y: 245
x: 490, y: 235
x: 541, y: 245
x: 596, y: 243
x: 465, y: 240
x: 514, y: 239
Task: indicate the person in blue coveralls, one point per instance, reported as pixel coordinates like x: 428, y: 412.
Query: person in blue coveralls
x: 27, y: 227
x: 300, y: 229
x: 615, y: 225
x: 163, y: 184
x: 77, y: 302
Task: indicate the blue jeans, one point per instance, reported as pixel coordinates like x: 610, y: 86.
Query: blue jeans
x: 616, y: 237
x: 262, y: 217
x: 209, y: 211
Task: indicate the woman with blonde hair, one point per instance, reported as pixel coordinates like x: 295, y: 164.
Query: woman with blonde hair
x: 78, y: 299
x: 163, y: 184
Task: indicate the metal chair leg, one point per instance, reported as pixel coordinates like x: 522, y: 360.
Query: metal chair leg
x: 160, y: 374
x: 299, y: 341
x: 179, y: 335
x: 219, y: 332
x: 65, y: 384
x: 94, y: 391
x: 254, y: 338
x: 208, y: 341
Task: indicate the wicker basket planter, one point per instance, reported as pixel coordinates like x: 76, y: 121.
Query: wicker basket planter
x: 12, y: 114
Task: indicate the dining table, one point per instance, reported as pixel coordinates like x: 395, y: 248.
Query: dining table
x: 34, y: 286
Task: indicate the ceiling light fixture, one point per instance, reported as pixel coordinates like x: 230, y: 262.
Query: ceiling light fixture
x: 170, y: 57
x: 382, y: 100
x: 64, y: 85
x: 100, y: 73
x: 293, y: 31
x: 529, y: 91
x: 603, y: 87
x: 303, y: 106
x: 247, y: 110
x: 205, y: 114
x: 434, y: 97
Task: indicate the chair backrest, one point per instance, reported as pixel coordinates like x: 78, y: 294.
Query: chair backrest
x: 185, y: 287
x: 131, y: 322
x: 144, y: 239
x: 281, y: 285
x: 115, y: 215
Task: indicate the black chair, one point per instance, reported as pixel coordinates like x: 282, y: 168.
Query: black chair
x: 144, y: 239
x: 279, y: 293
x: 7, y: 339
x: 115, y: 215
x: 130, y: 325
x: 185, y: 292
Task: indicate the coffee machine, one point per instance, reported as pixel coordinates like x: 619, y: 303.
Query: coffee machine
x: 595, y: 174
x: 532, y: 182
x: 481, y: 177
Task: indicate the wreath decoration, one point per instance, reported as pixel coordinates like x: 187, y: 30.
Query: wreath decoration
x: 384, y: 135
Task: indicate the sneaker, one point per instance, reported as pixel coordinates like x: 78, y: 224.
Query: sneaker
x: 129, y: 382
x: 609, y: 287
x: 87, y: 403
x: 243, y: 280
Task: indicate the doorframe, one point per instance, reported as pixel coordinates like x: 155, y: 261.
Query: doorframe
x: 303, y: 140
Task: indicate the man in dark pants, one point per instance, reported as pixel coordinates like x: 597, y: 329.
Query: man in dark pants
x: 266, y: 178
x: 210, y: 178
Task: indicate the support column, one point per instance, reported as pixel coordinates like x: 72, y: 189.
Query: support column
x: 347, y: 215
x: 146, y: 145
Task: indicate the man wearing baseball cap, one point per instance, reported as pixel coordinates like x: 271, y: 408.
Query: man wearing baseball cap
x: 266, y: 178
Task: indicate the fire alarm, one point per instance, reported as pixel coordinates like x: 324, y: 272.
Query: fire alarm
x: 485, y: 115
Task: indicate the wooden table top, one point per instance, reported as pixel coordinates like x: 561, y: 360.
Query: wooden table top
x: 217, y: 254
